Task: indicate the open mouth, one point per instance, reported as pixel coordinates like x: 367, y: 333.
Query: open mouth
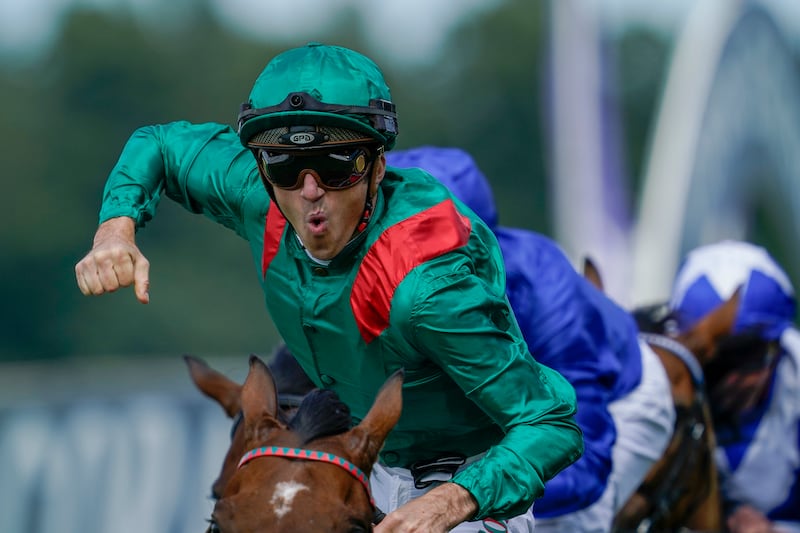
x: 317, y: 223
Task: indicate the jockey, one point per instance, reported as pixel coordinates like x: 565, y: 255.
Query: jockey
x: 364, y: 271
x: 625, y: 405
x: 753, y: 381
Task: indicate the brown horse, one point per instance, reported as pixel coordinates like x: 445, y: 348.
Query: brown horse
x: 307, y: 474
x: 681, y: 490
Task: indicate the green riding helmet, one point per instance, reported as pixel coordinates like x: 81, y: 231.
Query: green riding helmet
x: 318, y: 96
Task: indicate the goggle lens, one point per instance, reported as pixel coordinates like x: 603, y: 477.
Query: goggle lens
x: 338, y: 169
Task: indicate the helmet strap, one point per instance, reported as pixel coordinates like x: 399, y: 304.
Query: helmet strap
x: 368, y: 208
x: 369, y: 204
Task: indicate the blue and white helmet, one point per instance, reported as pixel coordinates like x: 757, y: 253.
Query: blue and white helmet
x: 711, y: 274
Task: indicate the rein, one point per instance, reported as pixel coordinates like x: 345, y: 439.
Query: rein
x: 309, y: 455
x: 664, y: 494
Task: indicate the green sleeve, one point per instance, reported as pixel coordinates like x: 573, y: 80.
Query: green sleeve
x: 470, y: 332
x: 203, y: 167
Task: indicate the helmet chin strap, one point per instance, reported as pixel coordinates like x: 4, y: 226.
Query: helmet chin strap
x: 366, y: 215
x: 368, y: 204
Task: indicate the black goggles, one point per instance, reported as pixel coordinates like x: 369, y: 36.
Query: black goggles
x: 336, y: 169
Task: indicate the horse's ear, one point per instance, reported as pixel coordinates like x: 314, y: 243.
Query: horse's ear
x: 216, y: 386
x: 366, y: 439
x: 259, y: 395
x: 703, y: 337
x: 592, y: 273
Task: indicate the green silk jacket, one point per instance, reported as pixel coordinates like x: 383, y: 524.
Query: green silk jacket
x: 422, y: 288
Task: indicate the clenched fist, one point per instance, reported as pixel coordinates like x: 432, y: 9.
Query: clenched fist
x: 114, y: 261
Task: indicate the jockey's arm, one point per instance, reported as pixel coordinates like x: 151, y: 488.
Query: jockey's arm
x: 203, y: 167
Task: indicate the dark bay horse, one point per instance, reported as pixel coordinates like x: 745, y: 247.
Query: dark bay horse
x: 681, y: 491
x: 305, y: 474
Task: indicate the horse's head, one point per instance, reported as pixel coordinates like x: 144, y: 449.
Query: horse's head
x: 680, y: 490
x: 309, y: 474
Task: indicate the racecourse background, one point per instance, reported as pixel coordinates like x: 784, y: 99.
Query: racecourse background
x: 100, y: 428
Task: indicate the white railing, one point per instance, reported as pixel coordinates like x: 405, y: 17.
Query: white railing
x: 136, y: 460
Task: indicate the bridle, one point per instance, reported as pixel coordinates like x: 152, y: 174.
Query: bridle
x: 310, y: 455
x: 690, y: 424
x: 681, y: 352
x: 301, y: 453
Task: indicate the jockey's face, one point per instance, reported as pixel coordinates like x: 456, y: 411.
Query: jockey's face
x: 739, y: 392
x: 326, y: 220
x: 742, y: 383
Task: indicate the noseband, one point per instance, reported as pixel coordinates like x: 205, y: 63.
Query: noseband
x: 309, y: 455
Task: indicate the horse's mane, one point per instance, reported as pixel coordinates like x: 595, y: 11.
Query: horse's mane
x: 321, y: 413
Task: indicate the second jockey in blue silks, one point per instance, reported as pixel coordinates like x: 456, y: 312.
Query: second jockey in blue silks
x: 625, y: 405
x: 753, y: 381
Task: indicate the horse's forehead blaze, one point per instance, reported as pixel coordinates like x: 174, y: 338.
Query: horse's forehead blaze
x: 283, y: 496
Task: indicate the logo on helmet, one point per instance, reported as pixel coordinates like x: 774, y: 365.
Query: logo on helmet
x: 302, y: 138
x: 305, y: 137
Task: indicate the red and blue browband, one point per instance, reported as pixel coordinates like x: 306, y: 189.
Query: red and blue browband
x: 309, y: 455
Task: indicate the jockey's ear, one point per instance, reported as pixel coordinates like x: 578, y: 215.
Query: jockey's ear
x: 378, y: 173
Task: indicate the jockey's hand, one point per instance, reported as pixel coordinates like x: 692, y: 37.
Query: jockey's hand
x: 436, y: 511
x: 747, y: 519
x: 114, y: 261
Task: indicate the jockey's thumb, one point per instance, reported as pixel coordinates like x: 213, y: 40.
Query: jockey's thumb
x: 141, y: 279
